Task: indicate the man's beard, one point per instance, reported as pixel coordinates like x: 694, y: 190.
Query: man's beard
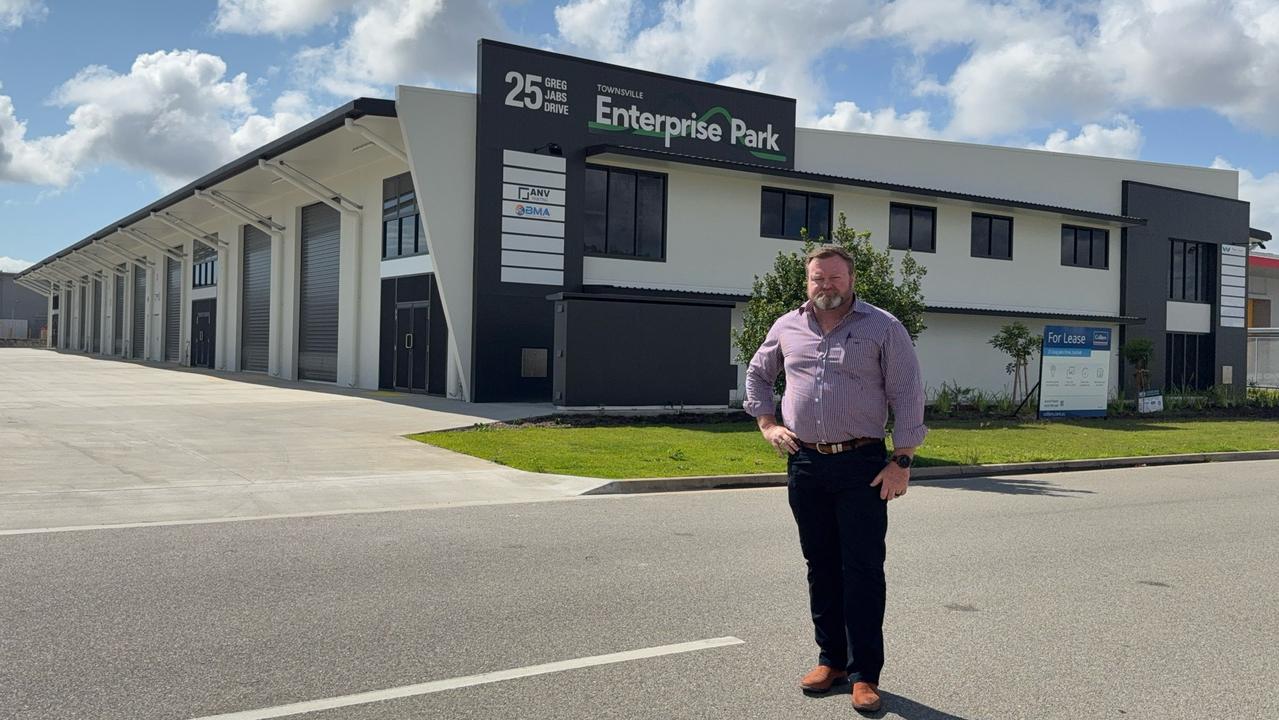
x: 828, y: 301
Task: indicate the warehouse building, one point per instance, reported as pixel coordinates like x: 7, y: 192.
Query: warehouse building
x: 23, y: 313
x: 587, y: 234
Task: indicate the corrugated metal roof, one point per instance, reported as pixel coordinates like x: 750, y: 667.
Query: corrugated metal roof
x: 323, y: 125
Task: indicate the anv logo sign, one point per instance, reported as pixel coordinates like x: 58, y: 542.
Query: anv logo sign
x: 534, y: 193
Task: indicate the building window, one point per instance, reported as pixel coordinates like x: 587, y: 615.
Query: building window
x: 912, y: 227
x: 401, y: 221
x: 625, y: 213
x: 992, y: 236
x: 1190, y: 271
x: 1085, y: 247
x: 1188, y: 362
x: 204, y: 266
x: 783, y: 213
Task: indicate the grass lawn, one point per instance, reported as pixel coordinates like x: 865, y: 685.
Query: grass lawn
x: 732, y: 448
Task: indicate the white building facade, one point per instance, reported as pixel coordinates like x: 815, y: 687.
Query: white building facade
x: 587, y: 235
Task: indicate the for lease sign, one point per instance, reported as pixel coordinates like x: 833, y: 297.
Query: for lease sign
x: 1074, y: 371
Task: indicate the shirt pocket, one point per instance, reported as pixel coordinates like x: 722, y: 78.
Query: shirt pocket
x: 861, y: 359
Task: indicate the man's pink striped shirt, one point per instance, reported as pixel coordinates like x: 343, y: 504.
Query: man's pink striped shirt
x: 839, y: 385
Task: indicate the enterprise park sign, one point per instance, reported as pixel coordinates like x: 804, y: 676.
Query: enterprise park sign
x: 594, y: 103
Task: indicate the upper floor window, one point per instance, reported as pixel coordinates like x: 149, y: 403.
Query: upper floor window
x: 625, y: 213
x: 783, y: 213
x: 1190, y: 271
x: 204, y: 265
x: 1085, y: 247
x: 912, y: 227
x: 992, y: 236
x: 401, y: 222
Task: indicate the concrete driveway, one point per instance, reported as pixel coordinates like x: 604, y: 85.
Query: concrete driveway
x: 92, y: 441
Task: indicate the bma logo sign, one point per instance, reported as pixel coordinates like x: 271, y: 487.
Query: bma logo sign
x: 536, y: 211
x: 534, y: 193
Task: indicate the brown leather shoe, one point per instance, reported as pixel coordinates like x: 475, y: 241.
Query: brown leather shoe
x: 820, y: 678
x: 865, y: 697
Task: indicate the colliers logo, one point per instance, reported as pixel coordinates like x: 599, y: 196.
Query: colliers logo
x: 761, y: 142
x: 523, y: 210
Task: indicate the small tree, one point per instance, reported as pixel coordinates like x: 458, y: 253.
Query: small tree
x: 1138, y: 352
x: 879, y: 282
x: 1015, y: 341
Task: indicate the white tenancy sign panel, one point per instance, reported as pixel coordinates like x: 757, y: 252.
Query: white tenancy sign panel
x: 532, y: 218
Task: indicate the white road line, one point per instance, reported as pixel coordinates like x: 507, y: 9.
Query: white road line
x: 311, y: 514
x: 470, y: 680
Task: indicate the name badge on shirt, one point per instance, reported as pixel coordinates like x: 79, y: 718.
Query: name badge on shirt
x: 835, y: 354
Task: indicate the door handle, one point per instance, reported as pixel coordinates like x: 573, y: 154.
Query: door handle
x: 408, y: 341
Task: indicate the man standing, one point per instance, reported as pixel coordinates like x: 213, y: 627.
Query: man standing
x: 847, y: 362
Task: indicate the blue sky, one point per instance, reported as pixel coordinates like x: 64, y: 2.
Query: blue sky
x: 106, y: 106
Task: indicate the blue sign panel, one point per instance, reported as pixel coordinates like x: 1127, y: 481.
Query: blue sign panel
x: 1074, y: 372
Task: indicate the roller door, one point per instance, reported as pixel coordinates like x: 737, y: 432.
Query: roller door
x: 255, y: 301
x: 81, y: 341
x: 138, y: 331
x: 117, y: 317
x: 172, y: 309
x: 318, y: 311
x: 97, y: 316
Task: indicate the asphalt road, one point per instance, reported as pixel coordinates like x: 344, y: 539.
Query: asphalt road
x: 1142, y: 593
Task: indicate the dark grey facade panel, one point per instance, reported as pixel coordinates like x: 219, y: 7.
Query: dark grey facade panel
x: 97, y: 316
x: 647, y: 364
x: 255, y: 301
x: 172, y: 309
x: 139, y: 321
x: 117, y: 317
x: 318, y: 293
x: 556, y: 106
x: 1146, y: 269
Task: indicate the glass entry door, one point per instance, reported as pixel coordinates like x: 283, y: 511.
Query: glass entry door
x: 412, y: 340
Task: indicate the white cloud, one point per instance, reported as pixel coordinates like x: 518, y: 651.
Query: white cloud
x: 885, y: 121
x: 729, y: 41
x: 1262, y: 194
x: 1030, y: 65
x: 1025, y: 64
x: 1122, y: 140
x: 276, y: 17
x: 597, y: 25
x: 8, y: 264
x: 175, y: 115
x: 402, y: 41
x: 13, y: 13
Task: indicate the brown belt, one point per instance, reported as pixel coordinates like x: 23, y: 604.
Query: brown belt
x: 841, y: 446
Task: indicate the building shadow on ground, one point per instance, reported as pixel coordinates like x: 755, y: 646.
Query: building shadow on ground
x: 1005, y: 486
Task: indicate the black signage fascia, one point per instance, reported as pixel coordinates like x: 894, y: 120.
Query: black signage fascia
x: 553, y: 105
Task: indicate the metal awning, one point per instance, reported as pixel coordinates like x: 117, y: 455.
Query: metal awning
x: 1035, y: 313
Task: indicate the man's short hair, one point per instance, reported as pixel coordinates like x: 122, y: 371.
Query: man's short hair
x: 825, y: 251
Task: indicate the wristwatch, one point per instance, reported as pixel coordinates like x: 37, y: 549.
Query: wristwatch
x: 903, y: 461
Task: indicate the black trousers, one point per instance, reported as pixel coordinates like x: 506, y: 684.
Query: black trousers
x: 842, y: 525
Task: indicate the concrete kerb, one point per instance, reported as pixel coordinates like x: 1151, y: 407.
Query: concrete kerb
x: 925, y: 474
